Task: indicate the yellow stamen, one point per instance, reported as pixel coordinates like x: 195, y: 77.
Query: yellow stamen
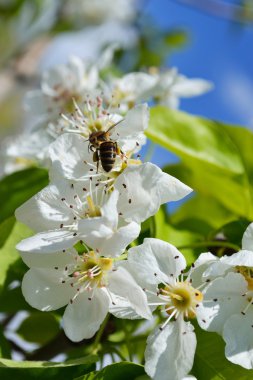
x: 93, y: 210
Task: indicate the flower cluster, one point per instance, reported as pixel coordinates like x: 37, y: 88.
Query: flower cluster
x: 228, y: 305
x: 99, y: 194
x: 89, y: 134
x: 67, y: 87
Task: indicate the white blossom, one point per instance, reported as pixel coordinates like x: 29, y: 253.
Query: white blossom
x: 158, y: 268
x: 129, y: 89
x: 95, y: 116
x: 59, y: 86
x: 142, y: 187
x: 23, y: 151
x: 228, y: 302
x: 171, y: 86
x: 64, y: 214
x: 88, y: 284
x: 164, y: 88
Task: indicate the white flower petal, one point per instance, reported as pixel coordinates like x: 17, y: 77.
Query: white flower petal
x: 69, y: 156
x: 247, y: 239
x: 83, y: 317
x: 238, y: 335
x: 129, y: 134
x: 135, y: 121
x: 115, y: 243
x: 44, y: 290
x: 155, y: 261
x: 241, y: 258
x: 202, y: 263
x: 121, y: 308
x: 50, y: 241
x: 45, y: 210
x: 169, y: 354
x: 185, y: 87
x: 39, y: 104
x: 123, y: 284
x: 216, y: 269
x: 109, y: 209
x: 224, y: 297
x: 143, y: 188
x: 51, y: 260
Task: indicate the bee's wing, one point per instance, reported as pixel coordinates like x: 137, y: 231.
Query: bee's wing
x: 114, y: 125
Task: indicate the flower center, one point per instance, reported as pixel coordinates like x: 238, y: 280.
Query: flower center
x: 182, y: 297
x: 92, y: 210
x: 92, y: 270
x: 247, y: 273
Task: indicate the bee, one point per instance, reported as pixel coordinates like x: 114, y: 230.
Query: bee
x: 104, y: 149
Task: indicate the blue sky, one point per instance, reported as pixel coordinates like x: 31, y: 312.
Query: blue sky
x: 218, y: 50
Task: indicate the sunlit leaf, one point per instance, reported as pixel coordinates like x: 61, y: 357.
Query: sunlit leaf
x: 16, y: 188
x: 5, y: 229
x: 122, y: 371
x: 211, y: 155
x: 8, y: 253
x: 10, y: 369
x: 177, y: 236
x: 210, y: 362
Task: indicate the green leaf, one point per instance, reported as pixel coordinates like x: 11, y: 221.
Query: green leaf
x: 176, y: 236
x: 176, y: 38
x: 10, y: 369
x: 213, y: 159
x: 122, y: 371
x: 201, y: 211
x: 12, y: 300
x: 5, y: 349
x: 5, y: 229
x: 210, y: 362
x: 39, y: 328
x: 16, y: 188
x: 8, y: 253
x: 234, y: 231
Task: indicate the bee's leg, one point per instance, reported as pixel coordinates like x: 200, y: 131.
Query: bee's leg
x: 96, y: 158
x: 119, y: 152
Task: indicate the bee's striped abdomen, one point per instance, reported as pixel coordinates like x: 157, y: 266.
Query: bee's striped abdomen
x: 108, y: 155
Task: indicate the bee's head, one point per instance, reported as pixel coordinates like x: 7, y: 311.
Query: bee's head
x: 93, y: 138
x: 97, y: 137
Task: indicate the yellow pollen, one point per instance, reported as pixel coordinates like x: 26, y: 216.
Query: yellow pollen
x: 93, y: 210
x: 182, y: 297
x: 247, y: 273
x: 95, y: 125
x: 94, y: 268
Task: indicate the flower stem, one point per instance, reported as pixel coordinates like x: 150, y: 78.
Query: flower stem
x: 100, y: 333
x: 128, y: 341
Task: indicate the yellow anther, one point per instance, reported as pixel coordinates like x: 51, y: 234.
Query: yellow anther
x: 177, y: 297
x: 93, y: 210
x: 105, y: 263
x: 247, y: 273
x: 182, y: 297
